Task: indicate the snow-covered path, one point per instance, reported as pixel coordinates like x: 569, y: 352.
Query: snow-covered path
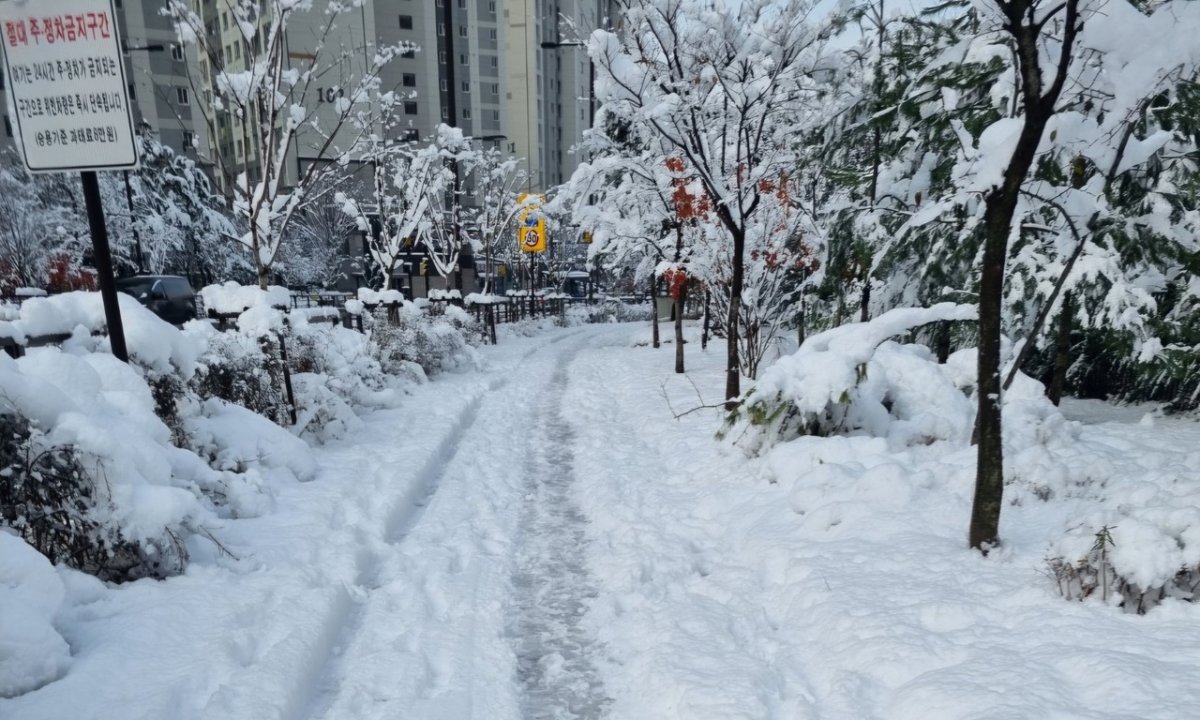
x: 476, y: 579
x: 433, y: 569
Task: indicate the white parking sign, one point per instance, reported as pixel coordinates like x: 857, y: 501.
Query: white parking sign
x: 66, y: 84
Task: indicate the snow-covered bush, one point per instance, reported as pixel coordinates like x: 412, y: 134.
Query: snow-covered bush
x: 1142, y: 548
x: 92, y: 478
x: 853, y: 380
x: 613, y: 310
x: 433, y: 341
x: 47, y: 497
x: 240, y: 369
x: 459, y: 319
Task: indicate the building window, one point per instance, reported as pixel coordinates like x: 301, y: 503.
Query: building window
x: 181, y: 95
x: 462, y: 4
x: 496, y: 115
x: 406, y: 22
x: 442, y: 56
x: 466, y: 113
x: 444, y: 85
x: 445, y: 114
x: 177, y: 52
x: 408, y: 54
x: 237, y: 51
x: 411, y: 135
x: 224, y: 21
x: 463, y: 59
x: 410, y: 80
x: 495, y: 62
x: 462, y: 31
x: 496, y: 89
x: 492, y: 34
x: 410, y: 108
x: 492, y: 7
x: 441, y: 29
x: 466, y: 86
x: 132, y: 92
x: 189, y: 140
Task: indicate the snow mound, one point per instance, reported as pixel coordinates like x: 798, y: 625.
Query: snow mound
x: 379, y: 297
x: 234, y: 299
x: 32, y: 653
x: 237, y: 438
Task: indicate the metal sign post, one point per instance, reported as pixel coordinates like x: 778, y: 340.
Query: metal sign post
x: 68, y: 96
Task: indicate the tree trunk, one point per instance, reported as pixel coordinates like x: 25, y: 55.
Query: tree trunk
x: 733, y: 370
x: 865, y: 311
x: 264, y: 276
x: 654, y: 308
x: 704, y: 334
x: 943, y: 342
x: 1000, y: 206
x: 679, y: 302
x: 1062, y: 350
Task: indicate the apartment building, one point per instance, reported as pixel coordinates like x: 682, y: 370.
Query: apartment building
x: 548, y: 82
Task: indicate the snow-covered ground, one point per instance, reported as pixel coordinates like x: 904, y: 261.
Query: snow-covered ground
x: 544, y: 539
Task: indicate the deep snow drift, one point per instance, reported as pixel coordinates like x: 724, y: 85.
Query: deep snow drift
x: 543, y: 538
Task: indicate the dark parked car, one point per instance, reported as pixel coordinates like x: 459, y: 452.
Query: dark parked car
x: 168, y: 296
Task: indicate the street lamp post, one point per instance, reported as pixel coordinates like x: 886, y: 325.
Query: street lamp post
x: 591, y: 74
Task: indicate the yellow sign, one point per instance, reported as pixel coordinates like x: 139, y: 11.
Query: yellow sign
x: 531, y: 233
x: 587, y: 238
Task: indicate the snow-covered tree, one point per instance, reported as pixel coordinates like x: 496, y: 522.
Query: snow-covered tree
x: 1058, y: 127
x: 318, y: 239
x: 36, y: 226
x: 404, y: 178
x: 182, y: 224
x: 723, y: 86
x: 444, y: 223
x: 495, y: 180
x: 268, y: 98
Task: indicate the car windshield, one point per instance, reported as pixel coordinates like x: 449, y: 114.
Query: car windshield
x: 136, y: 287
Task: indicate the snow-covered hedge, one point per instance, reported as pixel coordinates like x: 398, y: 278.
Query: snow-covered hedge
x: 116, y: 469
x: 110, y: 467
x: 853, y: 380
x: 148, y: 338
x: 427, y: 336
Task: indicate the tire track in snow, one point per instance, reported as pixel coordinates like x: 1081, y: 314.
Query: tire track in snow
x: 345, y: 619
x: 551, y: 585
